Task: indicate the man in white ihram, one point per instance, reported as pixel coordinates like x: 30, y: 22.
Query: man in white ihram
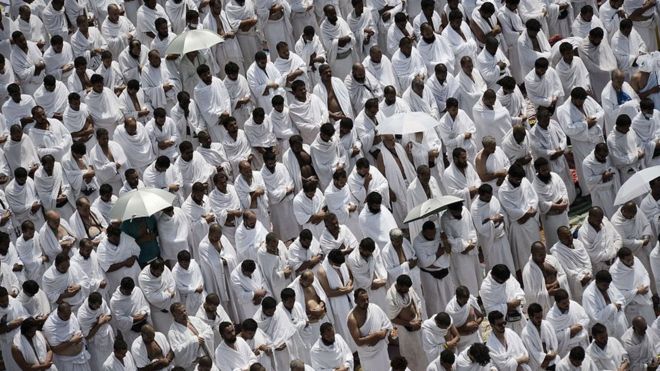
x: 330, y: 352
x: 369, y: 327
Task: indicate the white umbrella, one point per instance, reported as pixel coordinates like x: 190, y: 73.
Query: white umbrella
x: 407, y: 123
x: 193, y: 40
x: 637, y: 185
x: 430, y: 207
x: 141, y: 203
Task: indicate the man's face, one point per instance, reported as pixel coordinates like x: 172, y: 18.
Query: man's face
x: 221, y: 184
x: 331, y: 14
x: 567, y: 56
x: 629, y: 211
x: 113, y: 14
x: 180, y: 315
x: 156, y: 272
x: 576, y: 363
x: 626, y: 31
x: 538, y: 256
x: 639, y: 328
x: 456, y: 213
x: 28, y: 233
x: 262, y: 63
x: 595, y: 40
x: 40, y: 116
x: 376, y: 55
x: 515, y: 181
x: 85, y: 250
x: 406, y: 49
x: 283, y: 52
x: 289, y: 303
x: 601, y: 155
x: 603, y: 286
x: 365, y: 254
x: 564, y: 304
x: 162, y: 30
x: 74, y: 104
x: 120, y: 353
x: 332, y: 225
x: 198, y: 196
x: 103, y: 139
x: 429, y: 233
x: 154, y: 60
x: 21, y: 42
x: 462, y: 300
x: 98, y: 87
x: 21, y: 180
x: 57, y: 48
x: 601, y: 339
x: 133, y: 180
x: 374, y: 207
x: 245, y: 170
x: 499, y: 326
x: 107, y: 62
x: 64, y: 314
x: 326, y: 137
x: 63, y: 267
x: 489, y: 101
x: 81, y: 68
x: 362, y: 301
x: 300, y: 93
x: 544, y: 173
x: 328, y: 336
x: 617, y: 81
x: 359, y: 74
x: 229, y: 334
x: 628, y: 260
x: 461, y: 161
x: 94, y: 306
x: 131, y: 127
x: 390, y: 96
x: 250, y: 221
x: 623, y: 129
x: 540, y: 71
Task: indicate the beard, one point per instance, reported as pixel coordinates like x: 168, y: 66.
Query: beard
x: 429, y: 40
x: 328, y: 343
x: 545, y: 178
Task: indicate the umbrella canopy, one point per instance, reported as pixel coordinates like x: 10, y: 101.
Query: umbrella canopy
x: 637, y: 185
x: 430, y: 207
x: 193, y: 40
x: 407, y: 123
x: 141, y: 203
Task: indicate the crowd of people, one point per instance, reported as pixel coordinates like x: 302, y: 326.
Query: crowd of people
x: 285, y: 247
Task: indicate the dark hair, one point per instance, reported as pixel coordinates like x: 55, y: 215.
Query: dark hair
x: 494, y: 316
x: 501, y: 272
x: 480, y: 353
x: 404, y: 280
x: 534, y: 308
x: 603, y: 276
x: 577, y: 353
x: 287, y: 293
x: 268, y: 302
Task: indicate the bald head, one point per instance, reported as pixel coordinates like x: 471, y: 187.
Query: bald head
x: 52, y: 215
